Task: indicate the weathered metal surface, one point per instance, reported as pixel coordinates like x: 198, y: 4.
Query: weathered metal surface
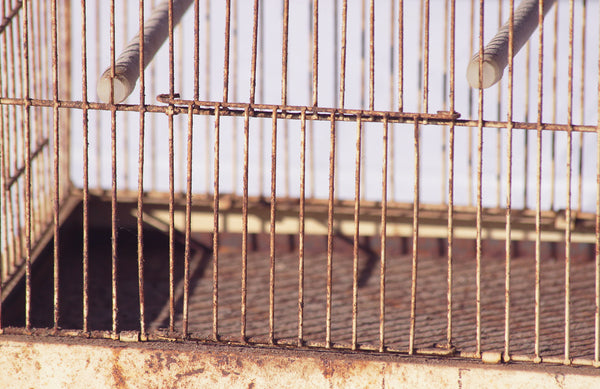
x: 68, y: 362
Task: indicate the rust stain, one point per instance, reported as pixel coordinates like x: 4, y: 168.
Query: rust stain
x: 189, y: 373
x: 328, y: 369
x: 117, y: 370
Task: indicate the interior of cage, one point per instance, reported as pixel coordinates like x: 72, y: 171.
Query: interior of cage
x: 286, y: 206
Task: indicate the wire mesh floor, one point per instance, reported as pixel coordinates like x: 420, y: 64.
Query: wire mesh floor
x: 431, y: 313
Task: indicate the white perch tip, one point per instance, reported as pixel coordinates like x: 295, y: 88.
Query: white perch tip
x: 491, y: 72
x: 122, y: 88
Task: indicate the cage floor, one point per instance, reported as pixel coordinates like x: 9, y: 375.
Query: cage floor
x: 431, y: 303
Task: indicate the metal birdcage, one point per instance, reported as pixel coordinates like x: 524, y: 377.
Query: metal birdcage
x: 305, y: 174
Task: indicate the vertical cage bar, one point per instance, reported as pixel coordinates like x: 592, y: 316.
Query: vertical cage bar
x: 215, y: 302
x: 254, y: 48
x: 86, y: 181
x: 261, y: 99
x: 207, y: 90
x: 272, y: 227
x: 151, y: 161
x: 284, y: 58
x: 171, y: 157
x: 392, y: 95
x: 567, y: 354
x: 415, y: 239
x: 40, y: 215
x: 554, y: 109
x: 27, y: 158
x: 98, y: 118
x: 356, y: 232
x: 526, y: 132
x: 538, y: 196
x: 226, y: 50
x: 342, y: 93
x: 234, y: 76
x: 284, y: 93
x: 372, y: 55
x: 444, y: 96
x: 244, y: 275
x: 509, y: 161
x: 383, y: 235
x: 301, y: 227
x: 188, y: 224
x: 400, y: 55
x: 312, y: 58
x: 329, y: 307
x: 113, y: 147
x: 479, y: 215
x: 56, y: 160
x: 196, y: 49
x: 499, y: 118
x: 315, y: 53
x: 581, y: 104
x: 141, y: 162
x: 451, y: 174
x: 426, y: 59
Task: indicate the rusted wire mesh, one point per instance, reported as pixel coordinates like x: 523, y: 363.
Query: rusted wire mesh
x: 272, y: 157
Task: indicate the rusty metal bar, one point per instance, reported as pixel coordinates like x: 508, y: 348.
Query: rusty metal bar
x: 509, y: 159
x: 141, y: 162
x: 554, y: 108
x: 23, y: 52
x: 567, y: 355
x: 113, y: 147
x: 581, y: 104
x: 392, y: 95
x: 215, y: 296
x: 400, y: 55
x: 188, y: 222
x: 426, y: 59
x: 226, y: 50
x: 311, y: 58
x: 342, y: 91
x: 315, y: 54
x: 526, y: 133
x: 444, y: 95
x: 19, y: 129
x: 372, y: 55
x: 171, y: 61
x: 151, y: 161
x: 86, y: 181
x: 330, y: 203
x: 56, y: 160
x: 301, y: 228
x: 207, y: 87
x: 254, y: 48
x: 244, y: 274
x: 357, y: 176
x: 415, y: 239
x: 284, y: 56
x: 539, y: 173
x: 479, y: 205
x: 284, y: 93
x: 234, y: 75
x: 383, y: 235
x: 37, y: 117
x: 451, y: 170
x: 272, y: 228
